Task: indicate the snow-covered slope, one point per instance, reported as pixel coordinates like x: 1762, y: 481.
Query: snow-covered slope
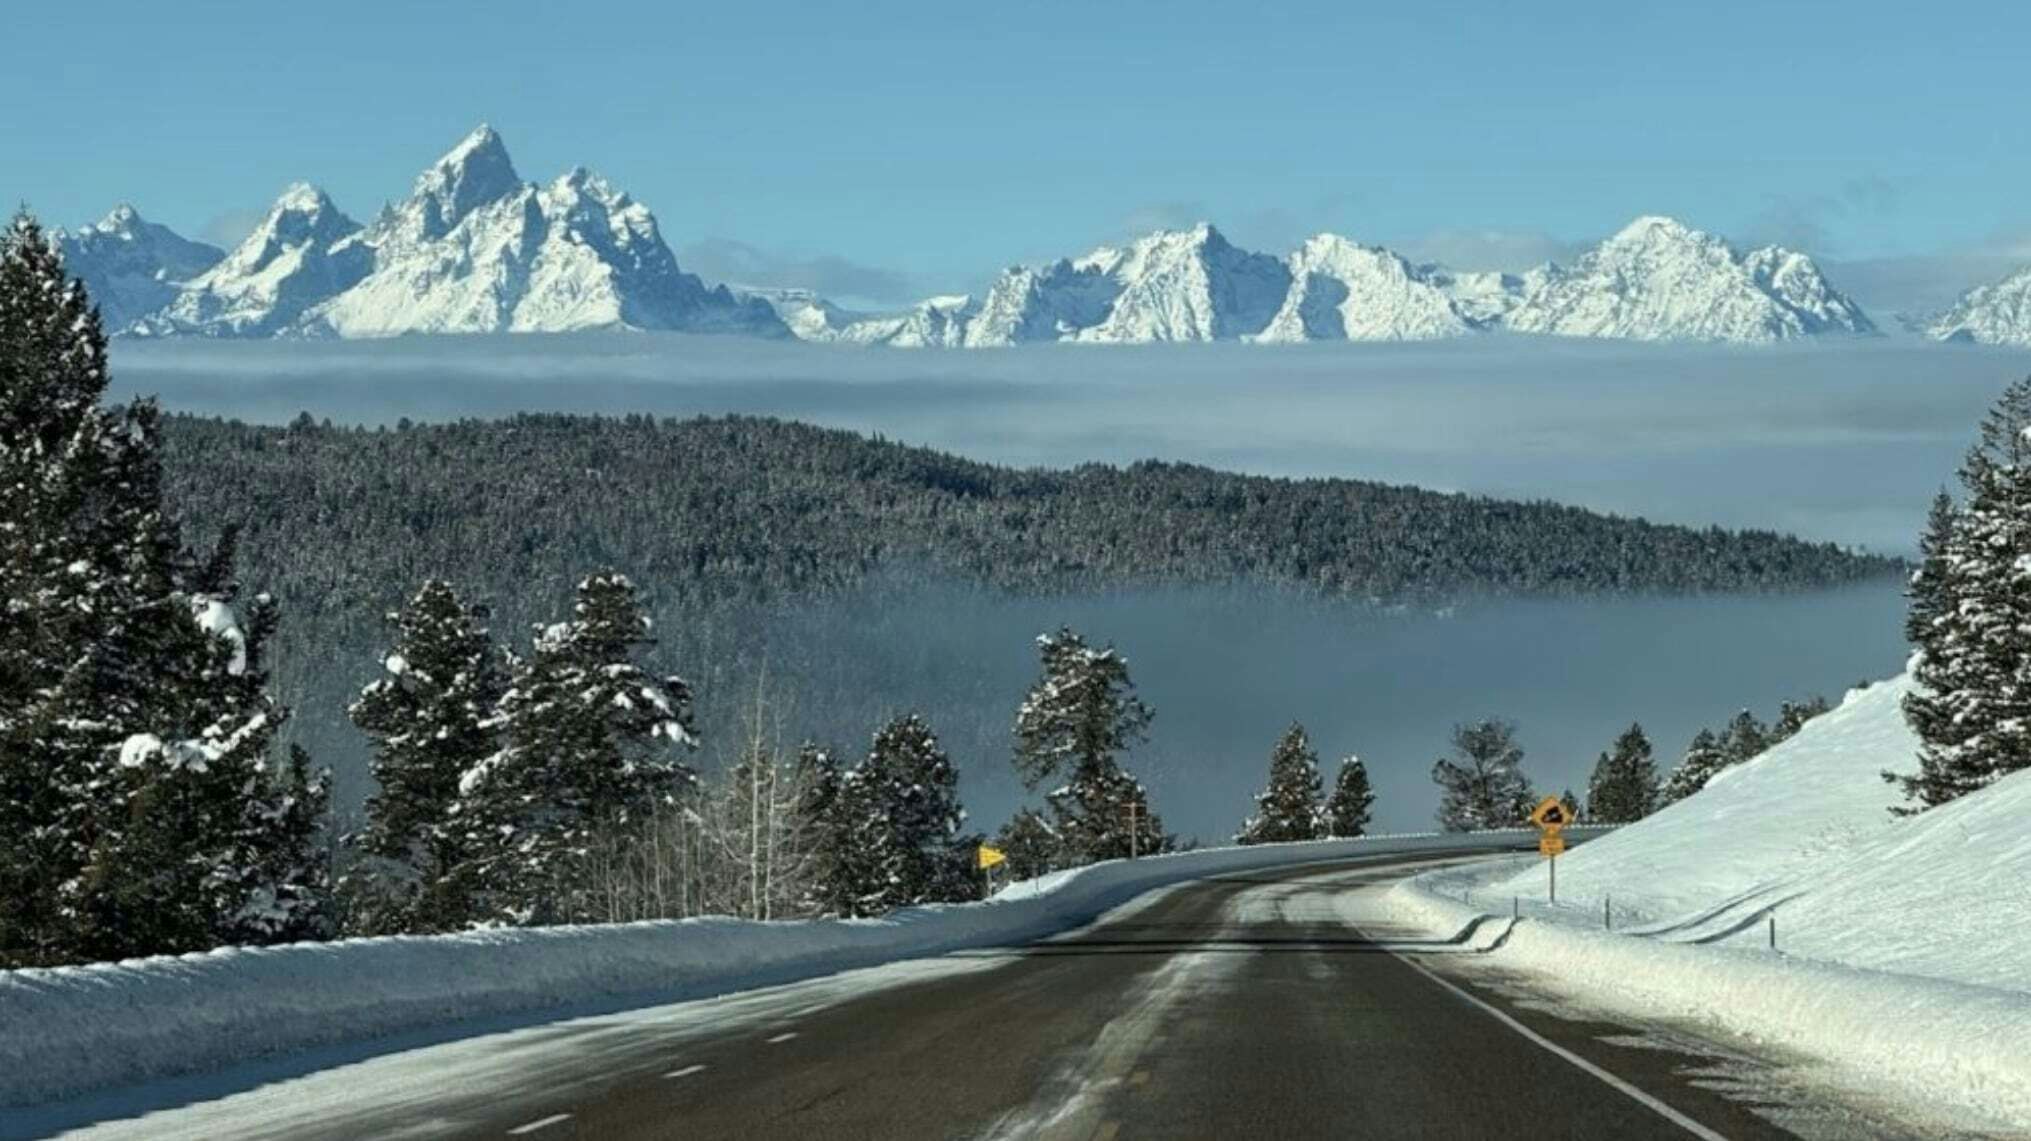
x: 132, y: 266
x: 296, y: 258
x: 1341, y: 290
x: 1817, y: 792
x: 1995, y: 314
x: 1659, y: 279
x: 1806, y: 829
x: 476, y: 250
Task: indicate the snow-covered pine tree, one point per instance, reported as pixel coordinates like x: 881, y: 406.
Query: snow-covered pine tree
x: 1707, y: 755
x: 1745, y: 737
x: 911, y: 794
x: 1102, y: 813
x: 430, y: 719
x: 1623, y: 787
x: 1349, y: 807
x: 1792, y: 716
x: 1485, y: 786
x: 1288, y: 808
x: 829, y: 886
x: 1029, y: 843
x: 587, y: 748
x: 142, y: 810
x: 1077, y: 717
x: 1971, y: 707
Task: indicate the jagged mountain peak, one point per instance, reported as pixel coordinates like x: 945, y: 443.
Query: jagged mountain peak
x: 1996, y: 313
x: 472, y: 174
x: 132, y: 266
x: 121, y: 219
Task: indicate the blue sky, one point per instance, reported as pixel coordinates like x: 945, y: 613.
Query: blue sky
x: 880, y: 148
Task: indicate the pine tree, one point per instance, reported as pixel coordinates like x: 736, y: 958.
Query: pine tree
x: 1792, y: 716
x: 1078, y: 716
x: 1029, y: 843
x: 1703, y: 758
x: 1485, y: 787
x: 430, y: 721
x: 1971, y: 618
x: 831, y: 886
x: 142, y: 810
x: 1289, y: 807
x: 912, y: 788
x: 1349, y: 808
x: 1102, y: 813
x: 1745, y: 737
x: 1623, y: 788
x: 588, y: 736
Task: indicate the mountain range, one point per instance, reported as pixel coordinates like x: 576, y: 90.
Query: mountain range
x: 475, y: 249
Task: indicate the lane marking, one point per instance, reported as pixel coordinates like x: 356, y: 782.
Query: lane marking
x: 533, y: 1126
x: 686, y: 1071
x: 1646, y: 1100
x: 783, y: 1037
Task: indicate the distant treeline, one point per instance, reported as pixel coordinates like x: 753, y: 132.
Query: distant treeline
x: 711, y: 510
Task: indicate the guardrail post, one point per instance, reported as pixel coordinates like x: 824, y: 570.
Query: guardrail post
x: 1607, y: 916
x: 1773, y: 931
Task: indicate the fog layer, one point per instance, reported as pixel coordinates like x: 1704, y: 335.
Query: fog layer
x: 1842, y: 441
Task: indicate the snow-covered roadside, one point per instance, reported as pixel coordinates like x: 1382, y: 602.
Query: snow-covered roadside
x: 68, y: 1030
x: 1946, y: 1047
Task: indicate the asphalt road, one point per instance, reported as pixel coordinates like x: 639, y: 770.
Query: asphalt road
x: 1243, y: 1006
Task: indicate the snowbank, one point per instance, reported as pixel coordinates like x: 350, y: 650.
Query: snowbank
x: 1942, y: 1045
x: 67, y: 1030
x: 1904, y: 943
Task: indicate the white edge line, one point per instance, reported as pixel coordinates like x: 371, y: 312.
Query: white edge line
x: 1660, y: 1108
x: 783, y: 1037
x: 544, y: 1123
x: 686, y: 1071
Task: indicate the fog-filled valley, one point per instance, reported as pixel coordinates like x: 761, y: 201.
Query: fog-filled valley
x: 1833, y: 443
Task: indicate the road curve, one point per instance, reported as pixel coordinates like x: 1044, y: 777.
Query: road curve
x: 1238, y: 1006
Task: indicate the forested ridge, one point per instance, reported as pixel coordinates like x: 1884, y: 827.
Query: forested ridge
x: 341, y: 521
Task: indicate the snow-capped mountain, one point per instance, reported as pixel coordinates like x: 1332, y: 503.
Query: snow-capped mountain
x: 132, y: 267
x: 1171, y: 285
x: 298, y: 257
x: 1998, y: 313
x: 1341, y: 290
x: 476, y: 250
x: 937, y: 322
x: 473, y: 249
x: 1656, y: 280
x: 1659, y: 279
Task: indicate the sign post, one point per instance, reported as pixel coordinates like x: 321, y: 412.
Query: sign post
x: 988, y: 857
x: 1551, y: 816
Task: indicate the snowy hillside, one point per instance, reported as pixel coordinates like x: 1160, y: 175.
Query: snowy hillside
x: 1659, y: 279
x: 1995, y: 314
x: 132, y: 267
x: 1819, y: 791
x: 1806, y: 829
x: 473, y: 249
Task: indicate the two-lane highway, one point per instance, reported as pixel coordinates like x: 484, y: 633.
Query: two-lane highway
x: 1241, y: 1006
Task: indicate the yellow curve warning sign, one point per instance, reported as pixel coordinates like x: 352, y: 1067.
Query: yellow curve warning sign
x: 990, y: 856
x: 1551, y: 814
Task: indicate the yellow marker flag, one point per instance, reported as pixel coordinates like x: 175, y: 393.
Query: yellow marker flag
x: 990, y: 856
